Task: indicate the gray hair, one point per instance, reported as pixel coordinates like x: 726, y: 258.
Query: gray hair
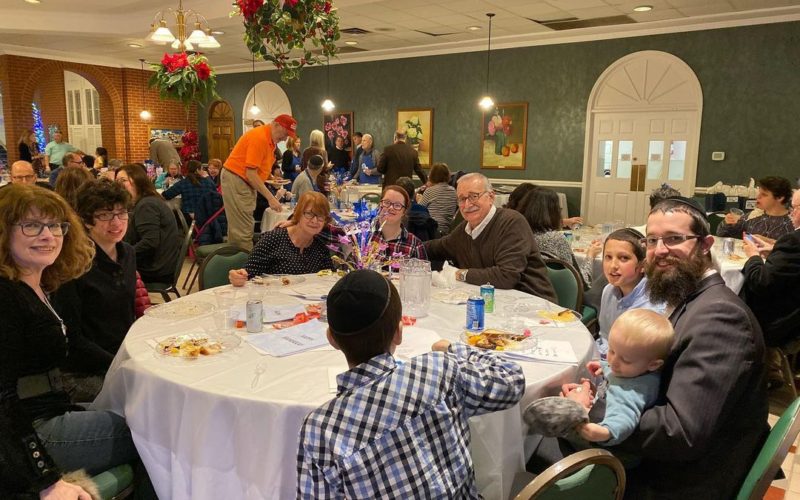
x: 487, y: 184
x: 316, y: 139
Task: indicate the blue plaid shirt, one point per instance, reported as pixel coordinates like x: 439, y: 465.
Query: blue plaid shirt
x: 400, y: 430
x: 189, y: 193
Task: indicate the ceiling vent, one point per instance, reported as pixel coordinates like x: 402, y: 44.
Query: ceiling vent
x: 572, y: 23
x: 355, y: 31
x: 437, y: 34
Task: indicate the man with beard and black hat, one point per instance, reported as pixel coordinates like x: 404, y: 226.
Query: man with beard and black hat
x: 700, y: 439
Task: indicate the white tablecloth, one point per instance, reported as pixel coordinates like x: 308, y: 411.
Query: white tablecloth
x: 271, y: 218
x: 204, y: 433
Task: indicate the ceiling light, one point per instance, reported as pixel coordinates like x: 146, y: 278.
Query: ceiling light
x: 34, y: 2
x: 350, y: 42
x: 135, y: 45
x: 643, y: 8
x: 144, y: 115
x: 487, y: 103
x: 217, y: 32
x: 185, y: 40
x: 327, y: 104
x: 254, y: 110
x: 474, y: 28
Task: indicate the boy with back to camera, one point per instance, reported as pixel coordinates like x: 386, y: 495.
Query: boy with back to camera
x: 638, y: 343
x: 397, y: 430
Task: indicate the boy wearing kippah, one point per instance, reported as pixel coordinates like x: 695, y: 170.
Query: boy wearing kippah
x: 396, y: 430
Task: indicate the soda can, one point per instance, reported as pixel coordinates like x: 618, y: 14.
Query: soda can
x: 728, y: 246
x: 475, y: 314
x: 487, y: 292
x: 568, y: 236
x: 254, y: 311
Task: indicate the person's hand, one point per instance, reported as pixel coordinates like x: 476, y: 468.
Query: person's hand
x: 62, y: 490
x: 284, y: 223
x: 593, y: 432
x: 580, y: 393
x: 731, y: 219
x: 237, y: 277
x: 764, y: 240
x: 203, y: 173
x: 571, y: 221
x: 761, y: 245
x: 594, y: 249
x: 595, y: 368
x: 440, y: 345
x: 297, y: 168
x: 280, y: 194
x: 750, y: 249
x: 275, y: 205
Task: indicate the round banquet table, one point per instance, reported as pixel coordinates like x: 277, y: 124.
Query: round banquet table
x: 213, y: 429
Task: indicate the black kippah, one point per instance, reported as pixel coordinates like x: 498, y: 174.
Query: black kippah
x: 689, y: 202
x: 357, y: 301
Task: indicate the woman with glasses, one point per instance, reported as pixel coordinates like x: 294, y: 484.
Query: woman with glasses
x: 153, y: 229
x: 102, y: 300
x: 42, y: 245
x: 296, y: 249
x: 400, y: 242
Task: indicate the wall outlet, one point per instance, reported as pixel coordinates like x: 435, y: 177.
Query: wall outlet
x: 718, y: 155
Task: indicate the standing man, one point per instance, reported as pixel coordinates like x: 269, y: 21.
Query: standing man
x: 56, y: 149
x: 399, y: 160
x: 244, y: 173
x: 162, y: 152
x: 493, y: 245
x: 701, y: 438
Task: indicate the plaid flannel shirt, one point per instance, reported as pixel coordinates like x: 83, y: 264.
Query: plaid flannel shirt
x: 400, y: 430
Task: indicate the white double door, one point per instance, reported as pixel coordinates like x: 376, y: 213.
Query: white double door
x: 633, y: 153
x: 83, y: 113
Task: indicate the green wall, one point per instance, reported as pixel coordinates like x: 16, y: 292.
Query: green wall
x: 749, y: 77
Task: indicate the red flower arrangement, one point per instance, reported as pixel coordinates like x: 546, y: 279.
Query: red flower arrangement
x: 184, y: 77
x: 190, y: 149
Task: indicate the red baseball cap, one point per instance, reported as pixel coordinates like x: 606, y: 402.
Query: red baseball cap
x: 287, y: 122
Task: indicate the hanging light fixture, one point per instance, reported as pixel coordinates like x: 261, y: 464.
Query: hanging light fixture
x: 200, y: 35
x: 327, y: 104
x: 487, y: 103
x: 144, y: 115
x: 254, y: 110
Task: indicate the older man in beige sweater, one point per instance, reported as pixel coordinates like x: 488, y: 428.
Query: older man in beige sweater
x: 492, y: 245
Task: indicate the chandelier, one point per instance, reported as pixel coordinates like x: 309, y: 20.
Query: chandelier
x: 200, y: 36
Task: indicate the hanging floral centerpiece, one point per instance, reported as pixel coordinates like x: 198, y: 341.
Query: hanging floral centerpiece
x: 184, y: 77
x: 287, y: 32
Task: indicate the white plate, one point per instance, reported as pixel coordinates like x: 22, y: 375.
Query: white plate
x: 451, y: 296
x: 181, y: 309
x: 227, y: 342
x: 516, y: 344
x: 278, y: 280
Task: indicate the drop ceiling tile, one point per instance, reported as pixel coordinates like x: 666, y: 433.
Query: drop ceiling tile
x: 691, y: 3
x: 576, y: 4
x: 656, y: 15
x: 705, y: 10
x: 595, y: 12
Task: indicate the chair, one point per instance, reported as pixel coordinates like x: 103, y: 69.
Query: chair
x: 772, y: 454
x: 167, y: 288
x: 371, y: 198
x: 592, y: 474
x: 214, y: 269
x: 569, y: 289
x: 115, y: 483
x: 714, y: 221
x: 180, y: 219
x: 788, y: 353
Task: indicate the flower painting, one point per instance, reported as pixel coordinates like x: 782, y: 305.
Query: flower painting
x: 503, y: 136
x: 338, y: 125
x: 418, y: 125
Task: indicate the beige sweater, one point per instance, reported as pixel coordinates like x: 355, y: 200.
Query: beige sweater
x: 505, y: 255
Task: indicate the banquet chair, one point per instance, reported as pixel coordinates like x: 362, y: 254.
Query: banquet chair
x: 371, y: 198
x: 568, y: 285
x: 788, y: 354
x: 593, y: 474
x: 180, y: 219
x: 115, y: 483
x: 214, y: 269
x: 167, y: 288
x: 772, y: 454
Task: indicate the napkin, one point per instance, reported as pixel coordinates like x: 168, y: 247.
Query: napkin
x: 446, y: 278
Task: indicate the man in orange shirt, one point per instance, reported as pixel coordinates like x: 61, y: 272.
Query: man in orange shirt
x: 244, y: 173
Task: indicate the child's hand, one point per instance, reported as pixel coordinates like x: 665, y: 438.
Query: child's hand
x: 440, y: 345
x: 580, y: 393
x: 595, y: 247
x: 595, y: 368
x: 593, y: 432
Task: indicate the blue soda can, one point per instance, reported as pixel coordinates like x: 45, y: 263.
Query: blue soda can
x: 254, y: 311
x: 475, y: 314
x: 487, y: 292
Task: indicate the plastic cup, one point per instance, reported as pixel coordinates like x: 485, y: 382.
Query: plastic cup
x: 736, y: 211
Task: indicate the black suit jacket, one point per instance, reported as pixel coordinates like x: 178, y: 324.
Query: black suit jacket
x: 772, y: 290
x: 701, y: 437
x: 399, y: 160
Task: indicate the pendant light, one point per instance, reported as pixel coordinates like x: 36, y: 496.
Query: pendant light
x: 327, y: 104
x: 254, y: 110
x: 144, y: 114
x: 487, y: 103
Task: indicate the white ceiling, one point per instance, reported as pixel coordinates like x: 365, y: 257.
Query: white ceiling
x: 98, y: 31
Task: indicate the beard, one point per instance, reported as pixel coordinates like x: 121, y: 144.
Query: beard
x: 673, y: 285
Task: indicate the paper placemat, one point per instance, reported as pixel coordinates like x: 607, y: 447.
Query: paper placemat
x: 292, y: 340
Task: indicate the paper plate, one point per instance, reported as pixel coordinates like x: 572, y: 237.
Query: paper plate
x: 180, y: 309
x: 492, y: 339
x: 451, y: 296
x: 195, y: 347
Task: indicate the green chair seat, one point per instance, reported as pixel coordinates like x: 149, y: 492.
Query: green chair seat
x: 113, y: 482
x: 204, y: 251
x: 213, y: 271
x: 592, y: 474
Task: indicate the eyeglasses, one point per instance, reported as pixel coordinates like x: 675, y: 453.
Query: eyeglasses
x: 392, y: 204
x: 311, y: 216
x: 670, y: 241
x: 26, y: 178
x: 108, y: 216
x: 123, y: 180
x: 32, y: 228
x: 472, y: 197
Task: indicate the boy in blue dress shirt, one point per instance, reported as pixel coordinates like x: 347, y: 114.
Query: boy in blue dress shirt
x: 397, y: 430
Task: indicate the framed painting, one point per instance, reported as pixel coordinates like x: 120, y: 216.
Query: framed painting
x: 174, y: 135
x: 503, y: 136
x: 335, y: 125
x: 418, y: 124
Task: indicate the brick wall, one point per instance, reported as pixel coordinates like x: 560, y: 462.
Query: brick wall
x: 27, y: 79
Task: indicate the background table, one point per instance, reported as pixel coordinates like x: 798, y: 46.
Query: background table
x: 271, y: 218
x: 204, y: 432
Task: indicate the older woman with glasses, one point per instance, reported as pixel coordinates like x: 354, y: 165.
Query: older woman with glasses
x: 296, y: 249
x: 42, y: 245
x: 400, y: 242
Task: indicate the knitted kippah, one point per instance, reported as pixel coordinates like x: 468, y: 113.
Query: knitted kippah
x: 554, y: 416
